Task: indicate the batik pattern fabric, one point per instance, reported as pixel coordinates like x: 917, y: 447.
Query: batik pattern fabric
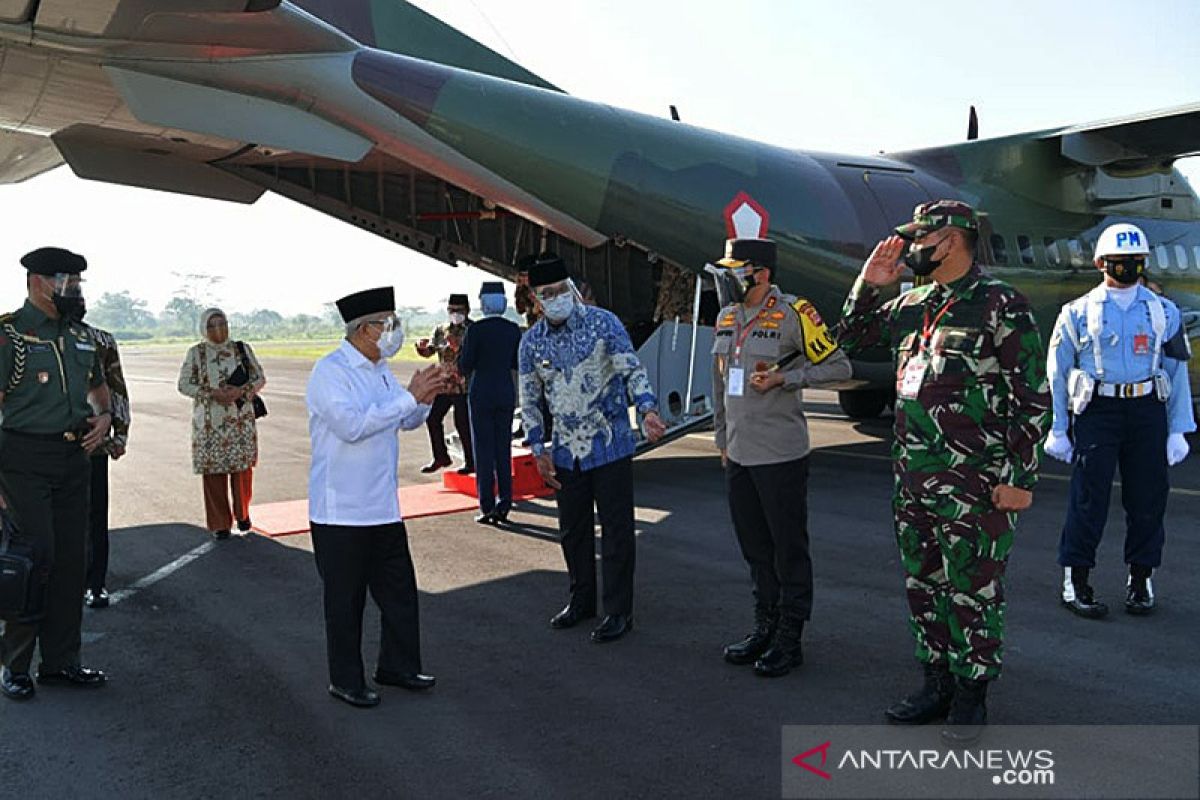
x: 588, y: 373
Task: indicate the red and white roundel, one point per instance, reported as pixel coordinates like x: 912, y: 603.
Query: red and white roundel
x: 745, y: 218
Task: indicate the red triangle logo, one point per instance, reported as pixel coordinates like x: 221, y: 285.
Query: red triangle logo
x: 802, y: 760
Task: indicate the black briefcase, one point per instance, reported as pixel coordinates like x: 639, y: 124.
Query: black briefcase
x: 20, y: 587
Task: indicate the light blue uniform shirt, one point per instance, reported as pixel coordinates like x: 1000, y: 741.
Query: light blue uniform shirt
x: 1126, y: 350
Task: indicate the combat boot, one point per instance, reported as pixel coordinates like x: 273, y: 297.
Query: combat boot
x: 785, y: 651
x: 930, y: 702
x: 756, y: 643
x: 1139, y: 593
x: 968, y: 712
x: 1077, y: 595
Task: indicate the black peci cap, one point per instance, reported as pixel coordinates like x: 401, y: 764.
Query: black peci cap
x: 371, y: 301
x: 548, y: 268
x: 758, y: 252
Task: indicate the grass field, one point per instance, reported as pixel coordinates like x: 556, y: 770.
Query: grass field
x: 303, y: 349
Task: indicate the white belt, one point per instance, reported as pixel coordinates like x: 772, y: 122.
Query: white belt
x: 1125, y: 390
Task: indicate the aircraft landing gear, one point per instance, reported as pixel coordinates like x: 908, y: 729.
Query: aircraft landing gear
x: 864, y: 404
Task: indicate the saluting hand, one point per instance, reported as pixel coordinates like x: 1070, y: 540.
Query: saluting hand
x: 883, y: 266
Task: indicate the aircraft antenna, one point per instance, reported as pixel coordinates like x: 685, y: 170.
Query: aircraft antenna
x: 496, y: 31
x: 972, y: 125
x: 674, y: 113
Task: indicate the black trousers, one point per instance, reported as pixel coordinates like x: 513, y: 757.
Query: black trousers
x: 97, y: 572
x: 462, y: 423
x: 491, y: 432
x: 608, y: 489
x: 47, y: 485
x: 769, y: 506
x: 352, y: 560
x: 1131, y: 433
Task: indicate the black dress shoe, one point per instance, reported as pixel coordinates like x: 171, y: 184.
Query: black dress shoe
x: 244, y: 525
x: 96, y: 598
x: 500, y: 517
x: 612, y: 628
x: 571, y: 616
x: 1139, y: 593
x: 435, y: 465
x: 1077, y: 595
x: 466, y: 470
x: 16, y: 685
x: 363, y: 698
x: 485, y: 518
x: 73, y: 676
x: 413, y: 681
x: 222, y: 535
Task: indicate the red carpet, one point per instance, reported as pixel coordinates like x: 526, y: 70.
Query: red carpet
x: 455, y: 495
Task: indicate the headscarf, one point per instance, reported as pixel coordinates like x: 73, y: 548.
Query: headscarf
x: 208, y: 314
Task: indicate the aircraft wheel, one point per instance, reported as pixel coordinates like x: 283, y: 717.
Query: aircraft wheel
x: 864, y: 404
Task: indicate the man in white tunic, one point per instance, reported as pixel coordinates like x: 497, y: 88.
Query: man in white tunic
x: 355, y: 409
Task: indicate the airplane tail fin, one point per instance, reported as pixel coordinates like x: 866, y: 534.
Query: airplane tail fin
x: 400, y: 27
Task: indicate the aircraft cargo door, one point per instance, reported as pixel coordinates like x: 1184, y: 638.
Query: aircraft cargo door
x: 896, y: 195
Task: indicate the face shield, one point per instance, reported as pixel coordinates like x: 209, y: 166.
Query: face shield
x: 391, y: 334
x: 732, y: 279
x: 67, y: 295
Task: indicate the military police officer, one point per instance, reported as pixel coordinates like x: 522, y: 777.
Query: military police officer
x: 1118, y: 370
x: 56, y: 413
x: 768, y: 347
x: 971, y: 408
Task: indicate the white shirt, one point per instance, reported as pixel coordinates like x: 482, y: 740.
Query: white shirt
x: 355, y: 409
x: 1122, y: 296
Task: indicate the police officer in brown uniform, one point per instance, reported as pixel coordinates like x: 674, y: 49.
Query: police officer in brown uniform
x: 768, y: 347
x: 56, y: 409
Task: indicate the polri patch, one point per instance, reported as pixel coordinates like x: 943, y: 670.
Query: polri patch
x: 1141, y: 344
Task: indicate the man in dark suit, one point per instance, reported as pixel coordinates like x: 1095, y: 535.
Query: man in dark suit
x: 489, y: 360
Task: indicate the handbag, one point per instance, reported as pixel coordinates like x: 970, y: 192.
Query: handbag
x: 21, y: 587
x: 241, y: 376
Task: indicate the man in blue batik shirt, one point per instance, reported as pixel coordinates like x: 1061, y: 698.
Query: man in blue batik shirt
x: 580, y: 359
x: 1118, y: 375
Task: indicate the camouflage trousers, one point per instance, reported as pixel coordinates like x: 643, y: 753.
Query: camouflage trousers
x: 954, y: 555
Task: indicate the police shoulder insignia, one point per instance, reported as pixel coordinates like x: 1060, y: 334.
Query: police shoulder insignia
x: 728, y: 320
x: 818, y: 343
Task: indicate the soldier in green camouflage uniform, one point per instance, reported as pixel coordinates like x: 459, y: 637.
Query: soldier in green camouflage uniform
x: 972, y: 405
x: 113, y: 448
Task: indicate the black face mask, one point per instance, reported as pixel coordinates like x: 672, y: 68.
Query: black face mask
x: 921, y: 261
x: 1123, y: 271
x: 72, y: 309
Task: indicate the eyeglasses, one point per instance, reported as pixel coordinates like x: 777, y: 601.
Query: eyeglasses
x: 548, y: 293
x: 217, y: 323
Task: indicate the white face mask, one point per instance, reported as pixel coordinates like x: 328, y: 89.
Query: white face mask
x: 559, y: 308
x: 458, y: 318
x: 390, y: 342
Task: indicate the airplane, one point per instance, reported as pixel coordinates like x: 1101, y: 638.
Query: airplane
x: 378, y: 114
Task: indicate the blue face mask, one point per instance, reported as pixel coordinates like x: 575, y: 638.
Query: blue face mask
x: 493, y: 304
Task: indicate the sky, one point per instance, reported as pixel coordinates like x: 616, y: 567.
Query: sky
x: 857, y: 78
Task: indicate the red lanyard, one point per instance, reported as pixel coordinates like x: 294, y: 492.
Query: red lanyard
x: 745, y: 332
x: 928, y: 329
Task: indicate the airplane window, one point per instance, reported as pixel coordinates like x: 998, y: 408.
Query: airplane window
x: 1077, y: 257
x: 1052, y: 253
x: 1162, y: 257
x: 999, y: 251
x: 1026, y: 248
x: 1180, y: 257
x: 1196, y: 257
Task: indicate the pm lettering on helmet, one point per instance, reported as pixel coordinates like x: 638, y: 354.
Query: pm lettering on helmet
x: 1129, y: 239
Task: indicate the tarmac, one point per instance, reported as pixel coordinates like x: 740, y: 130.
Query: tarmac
x: 217, y: 664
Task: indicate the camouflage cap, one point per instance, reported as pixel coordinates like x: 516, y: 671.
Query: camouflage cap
x: 939, y: 214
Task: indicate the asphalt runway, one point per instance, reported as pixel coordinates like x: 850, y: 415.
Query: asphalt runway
x: 217, y: 671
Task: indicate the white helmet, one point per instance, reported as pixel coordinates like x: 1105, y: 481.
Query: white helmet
x: 1122, y: 240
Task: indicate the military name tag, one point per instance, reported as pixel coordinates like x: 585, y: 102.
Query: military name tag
x: 737, y: 381
x: 91, y: 348
x: 909, y: 385
x: 1141, y: 344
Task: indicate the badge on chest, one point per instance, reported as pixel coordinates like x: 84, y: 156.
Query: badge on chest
x: 908, y: 386
x: 1141, y: 344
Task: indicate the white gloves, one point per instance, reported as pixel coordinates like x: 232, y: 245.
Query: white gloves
x: 1177, y: 449
x: 1059, y: 446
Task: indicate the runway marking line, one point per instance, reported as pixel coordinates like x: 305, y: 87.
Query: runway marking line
x: 161, y: 572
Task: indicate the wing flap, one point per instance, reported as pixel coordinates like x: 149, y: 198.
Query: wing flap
x: 24, y: 156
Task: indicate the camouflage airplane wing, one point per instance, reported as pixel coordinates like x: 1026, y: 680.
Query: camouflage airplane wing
x: 1151, y: 139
